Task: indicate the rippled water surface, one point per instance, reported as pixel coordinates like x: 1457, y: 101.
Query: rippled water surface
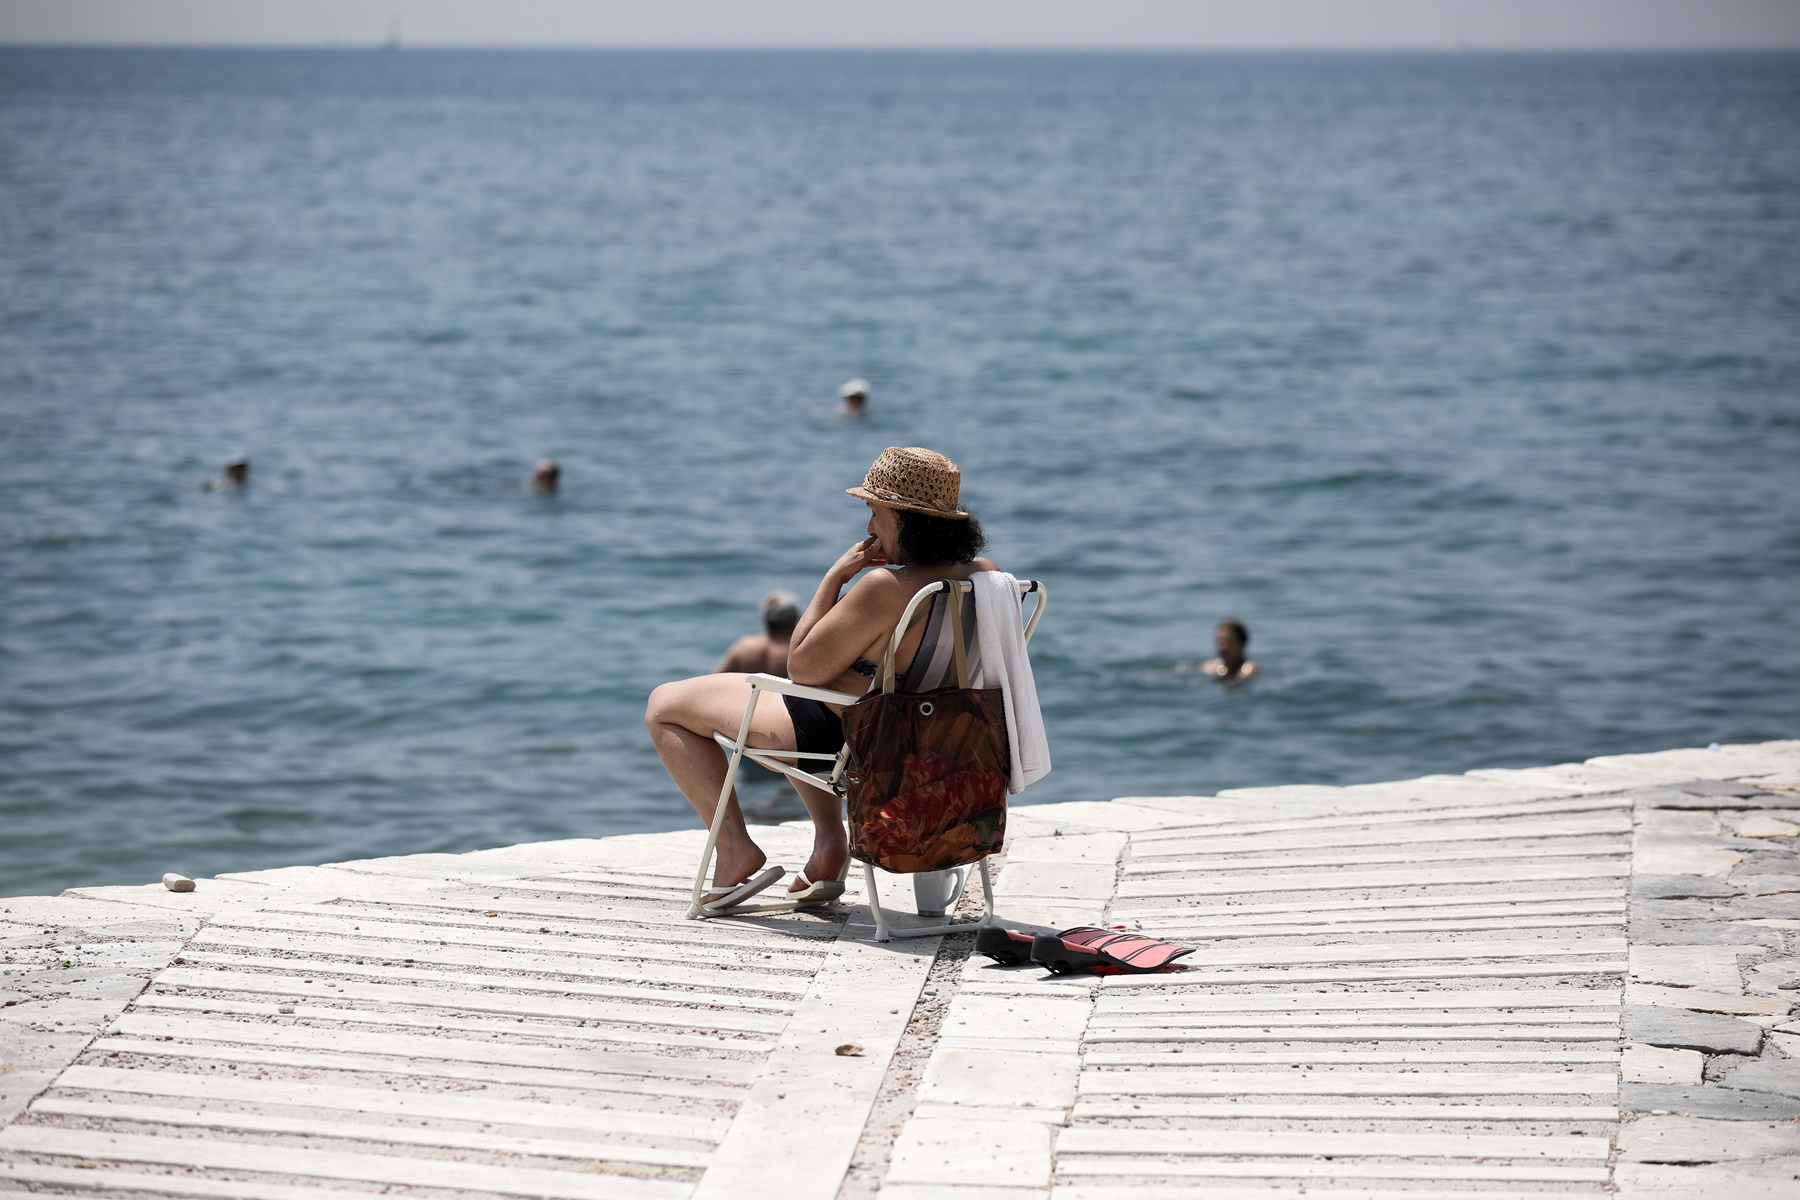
x: 1471, y: 384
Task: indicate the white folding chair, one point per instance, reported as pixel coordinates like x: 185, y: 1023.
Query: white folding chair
x: 788, y: 762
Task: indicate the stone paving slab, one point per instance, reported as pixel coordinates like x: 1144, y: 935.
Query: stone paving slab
x: 1763, y: 1179
x: 1779, y: 1076
x: 1725, y: 951
x: 1669, y: 1139
x: 1566, y: 980
x: 1639, y: 1063
x: 1682, y: 1029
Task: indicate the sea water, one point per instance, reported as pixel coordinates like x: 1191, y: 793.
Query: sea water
x: 1470, y: 383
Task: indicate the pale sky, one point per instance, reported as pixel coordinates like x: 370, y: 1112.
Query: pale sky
x: 1148, y: 24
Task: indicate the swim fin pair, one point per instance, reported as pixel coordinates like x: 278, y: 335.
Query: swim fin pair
x: 1084, y: 948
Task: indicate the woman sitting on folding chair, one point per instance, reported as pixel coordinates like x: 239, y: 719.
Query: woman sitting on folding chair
x: 919, y: 535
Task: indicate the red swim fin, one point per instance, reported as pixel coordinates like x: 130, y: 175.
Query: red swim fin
x: 1104, y: 951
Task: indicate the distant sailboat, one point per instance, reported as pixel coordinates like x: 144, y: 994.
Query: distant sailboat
x: 393, y: 37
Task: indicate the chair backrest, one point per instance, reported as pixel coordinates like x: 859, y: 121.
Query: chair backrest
x: 952, y: 591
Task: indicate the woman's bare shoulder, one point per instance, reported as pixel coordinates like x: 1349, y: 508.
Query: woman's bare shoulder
x: 882, y: 578
x: 984, y: 564
x: 878, y: 586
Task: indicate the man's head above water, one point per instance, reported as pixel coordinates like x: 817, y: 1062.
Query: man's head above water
x: 1231, y: 638
x: 855, y: 396
x: 780, y: 612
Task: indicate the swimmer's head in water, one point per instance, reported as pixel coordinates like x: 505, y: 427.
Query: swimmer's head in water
x: 1231, y: 638
x: 237, y: 471
x: 546, y: 475
x: 780, y: 611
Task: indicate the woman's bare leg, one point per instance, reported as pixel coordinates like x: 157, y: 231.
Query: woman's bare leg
x: 682, y: 717
x: 831, y: 846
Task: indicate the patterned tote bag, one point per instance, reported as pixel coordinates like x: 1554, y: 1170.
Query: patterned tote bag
x: 925, y: 788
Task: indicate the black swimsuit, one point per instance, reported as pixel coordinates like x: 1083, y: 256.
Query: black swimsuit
x: 817, y: 729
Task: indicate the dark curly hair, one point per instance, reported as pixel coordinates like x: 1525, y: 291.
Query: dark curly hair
x: 929, y: 541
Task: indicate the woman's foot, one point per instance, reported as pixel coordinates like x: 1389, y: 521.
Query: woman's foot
x: 731, y: 872
x: 729, y: 898
x: 826, y: 863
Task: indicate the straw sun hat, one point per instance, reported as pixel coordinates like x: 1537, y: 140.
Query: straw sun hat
x: 915, y: 479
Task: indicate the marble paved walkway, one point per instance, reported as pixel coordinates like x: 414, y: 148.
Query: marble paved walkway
x: 1571, y: 980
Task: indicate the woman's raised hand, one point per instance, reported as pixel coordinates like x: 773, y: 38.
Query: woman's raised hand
x: 865, y: 554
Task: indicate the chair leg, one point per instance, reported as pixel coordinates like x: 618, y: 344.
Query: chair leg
x: 886, y: 933
x: 718, y: 822
x: 882, y: 933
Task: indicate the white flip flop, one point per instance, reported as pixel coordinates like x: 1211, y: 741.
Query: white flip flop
x: 822, y: 892
x: 732, y: 895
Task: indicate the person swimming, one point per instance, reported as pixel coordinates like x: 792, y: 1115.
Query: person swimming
x: 546, y: 477
x: 766, y: 652
x: 1230, y: 639
x: 855, y: 398
x: 236, y: 475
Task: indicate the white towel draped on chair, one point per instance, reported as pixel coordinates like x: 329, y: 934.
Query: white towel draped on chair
x: 1000, y: 633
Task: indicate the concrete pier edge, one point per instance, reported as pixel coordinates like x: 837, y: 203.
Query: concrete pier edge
x: 1576, y: 979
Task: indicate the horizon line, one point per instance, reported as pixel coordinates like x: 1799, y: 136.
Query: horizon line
x: 921, y: 48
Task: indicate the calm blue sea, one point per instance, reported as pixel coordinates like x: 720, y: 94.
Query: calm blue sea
x: 1470, y: 383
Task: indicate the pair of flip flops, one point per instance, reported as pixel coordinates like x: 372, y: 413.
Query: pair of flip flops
x: 1084, y: 948
x: 721, y: 900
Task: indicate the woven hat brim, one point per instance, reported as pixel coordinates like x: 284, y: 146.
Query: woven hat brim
x: 863, y: 493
